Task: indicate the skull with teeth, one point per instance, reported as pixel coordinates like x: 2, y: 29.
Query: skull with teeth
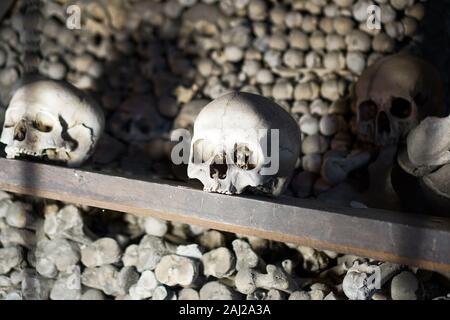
x: 53, y: 120
x: 232, y: 137
x: 393, y: 95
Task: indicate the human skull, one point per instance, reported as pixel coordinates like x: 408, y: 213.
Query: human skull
x: 53, y: 120
x: 229, y: 148
x: 393, y: 95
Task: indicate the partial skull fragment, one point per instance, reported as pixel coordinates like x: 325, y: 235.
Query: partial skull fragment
x: 53, y: 120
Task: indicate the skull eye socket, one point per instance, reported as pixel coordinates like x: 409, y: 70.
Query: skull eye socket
x: 43, y: 123
x: 243, y: 156
x: 367, y: 110
x: 202, y: 151
x: 401, y: 108
x: 41, y: 126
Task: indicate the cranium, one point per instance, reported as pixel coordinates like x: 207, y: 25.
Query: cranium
x: 54, y: 120
x: 393, y: 95
x: 228, y: 150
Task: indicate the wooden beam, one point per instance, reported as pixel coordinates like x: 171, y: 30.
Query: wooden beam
x: 421, y: 241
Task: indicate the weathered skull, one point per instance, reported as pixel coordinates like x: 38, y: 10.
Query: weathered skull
x: 429, y: 143
x: 53, y: 120
x: 425, y: 164
x: 232, y: 135
x: 137, y: 119
x: 393, y: 95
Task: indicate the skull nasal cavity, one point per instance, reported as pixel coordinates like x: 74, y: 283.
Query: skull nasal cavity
x: 401, y: 108
x: 20, y: 131
x: 242, y: 157
x: 218, y: 167
x: 367, y: 110
x: 383, y: 124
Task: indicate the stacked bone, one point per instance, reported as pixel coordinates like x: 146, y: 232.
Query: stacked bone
x: 70, y: 253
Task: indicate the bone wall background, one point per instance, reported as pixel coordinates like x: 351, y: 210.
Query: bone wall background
x: 150, y: 62
x: 152, y: 65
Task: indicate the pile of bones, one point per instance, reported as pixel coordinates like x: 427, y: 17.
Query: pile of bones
x: 153, y: 66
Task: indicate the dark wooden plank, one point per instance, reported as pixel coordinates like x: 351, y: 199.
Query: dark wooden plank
x: 422, y: 241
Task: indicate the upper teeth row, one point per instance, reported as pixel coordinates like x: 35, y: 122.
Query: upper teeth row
x: 14, y: 152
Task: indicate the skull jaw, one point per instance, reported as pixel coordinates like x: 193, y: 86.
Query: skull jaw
x: 369, y: 132
x: 238, y: 181
x: 32, y: 145
x: 217, y: 187
x: 379, y: 140
x: 385, y: 139
x: 54, y: 154
x: 34, y: 148
x: 230, y: 184
x: 53, y: 148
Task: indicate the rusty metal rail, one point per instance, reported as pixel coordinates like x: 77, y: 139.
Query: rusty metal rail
x: 422, y: 241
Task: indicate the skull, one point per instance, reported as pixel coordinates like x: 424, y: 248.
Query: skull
x: 52, y: 120
x: 393, y: 95
x: 229, y: 148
